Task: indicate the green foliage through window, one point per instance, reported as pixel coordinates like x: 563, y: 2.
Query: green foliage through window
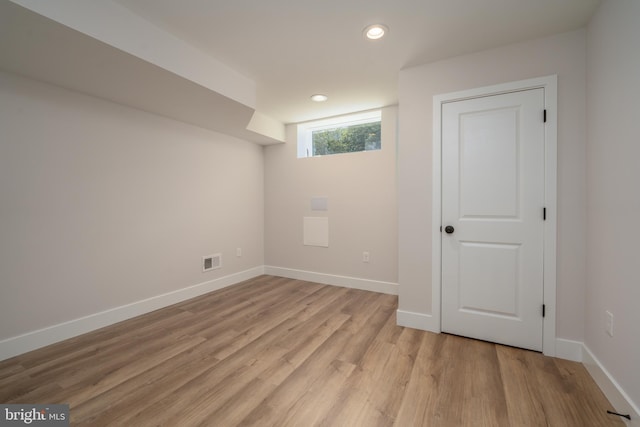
x: 361, y: 137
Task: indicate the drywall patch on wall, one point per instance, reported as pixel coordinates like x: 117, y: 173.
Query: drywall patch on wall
x: 316, y: 231
x: 319, y: 203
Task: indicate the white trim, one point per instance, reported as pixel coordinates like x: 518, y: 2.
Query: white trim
x: 550, y: 86
x: 569, y: 350
x: 436, y: 213
x: 214, y: 265
x: 331, y: 279
x: 36, y: 339
x: 305, y: 129
x: 409, y: 319
x: 611, y: 389
x: 550, y: 191
x: 346, y: 120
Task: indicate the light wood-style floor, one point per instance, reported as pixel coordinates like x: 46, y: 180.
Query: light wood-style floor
x: 280, y: 352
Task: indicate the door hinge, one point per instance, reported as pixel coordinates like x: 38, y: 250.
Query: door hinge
x: 544, y: 214
x: 544, y: 310
x: 441, y: 229
x: 544, y: 116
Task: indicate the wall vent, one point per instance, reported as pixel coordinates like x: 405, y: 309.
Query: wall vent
x: 211, y: 262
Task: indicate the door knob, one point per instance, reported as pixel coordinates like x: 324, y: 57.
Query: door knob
x: 449, y: 229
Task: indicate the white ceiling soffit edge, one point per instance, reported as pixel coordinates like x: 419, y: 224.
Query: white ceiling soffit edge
x: 267, y: 126
x: 126, y: 60
x: 116, y: 26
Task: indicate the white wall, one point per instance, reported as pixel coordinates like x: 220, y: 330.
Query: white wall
x: 102, y: 205
x: 564, y: 55
x: 361, y: 192
x: 613, y: 178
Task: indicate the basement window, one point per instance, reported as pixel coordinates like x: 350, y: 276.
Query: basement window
x: 345, y: 134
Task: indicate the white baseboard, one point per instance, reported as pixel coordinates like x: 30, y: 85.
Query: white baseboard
x: 569, y: 350
x: 565, y: 349
x: 33, y: 340
x: 420, y: 321
x: 610, y: 387
x: 331, y: 279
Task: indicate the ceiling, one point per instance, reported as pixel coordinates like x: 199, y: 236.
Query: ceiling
x: 295, y: 48
x: 246, y: 67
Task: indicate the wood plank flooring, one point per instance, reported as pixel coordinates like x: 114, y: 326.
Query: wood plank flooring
x: 280, y: 352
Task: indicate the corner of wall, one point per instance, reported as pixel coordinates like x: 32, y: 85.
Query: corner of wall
x: 33, y: 340
x: 619, y: 399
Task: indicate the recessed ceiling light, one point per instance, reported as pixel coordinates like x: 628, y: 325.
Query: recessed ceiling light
x: 375, y: 31
x: 318, y: 97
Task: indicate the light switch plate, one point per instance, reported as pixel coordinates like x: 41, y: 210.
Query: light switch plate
x: 319, y: 203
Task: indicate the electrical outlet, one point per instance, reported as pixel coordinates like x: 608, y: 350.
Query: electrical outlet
x: 609, y: 322
x: 238, y: 251
x: 365, y: 256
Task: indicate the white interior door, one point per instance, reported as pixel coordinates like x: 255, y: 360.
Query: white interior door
x: 493, y: 200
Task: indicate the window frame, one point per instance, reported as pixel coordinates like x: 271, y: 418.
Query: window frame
x: 305, y: 130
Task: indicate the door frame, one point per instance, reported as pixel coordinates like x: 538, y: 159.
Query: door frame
x: 550, y: 86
